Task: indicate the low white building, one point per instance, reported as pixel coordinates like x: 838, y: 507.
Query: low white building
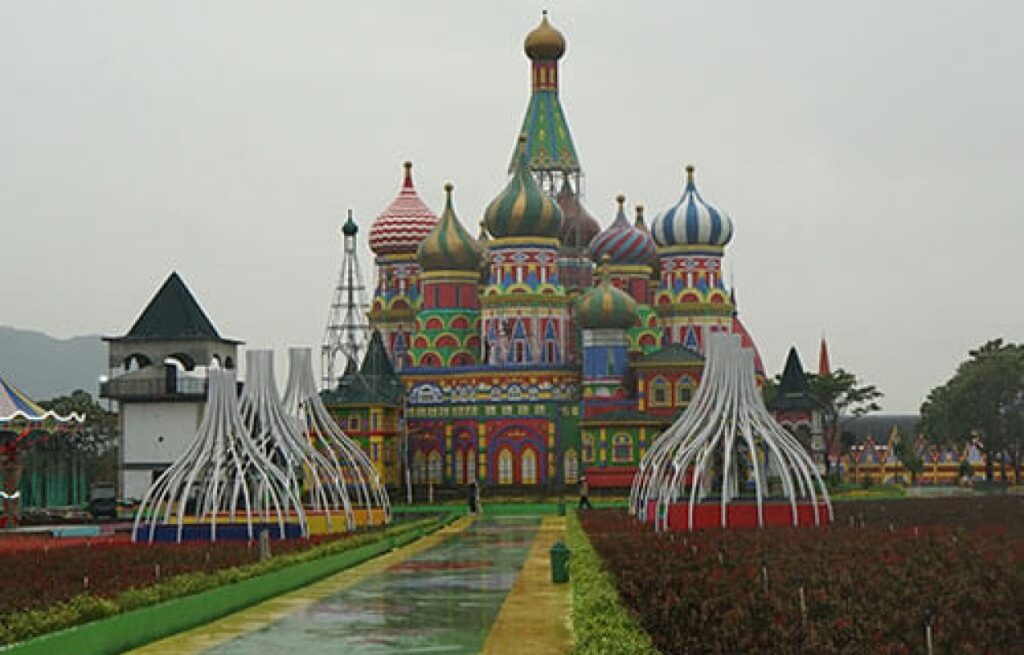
x: 158, y: 378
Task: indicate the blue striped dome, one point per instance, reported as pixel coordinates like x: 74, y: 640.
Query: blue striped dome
x: 691, y: 221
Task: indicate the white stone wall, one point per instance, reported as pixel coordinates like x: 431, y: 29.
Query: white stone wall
x: 155, y: 434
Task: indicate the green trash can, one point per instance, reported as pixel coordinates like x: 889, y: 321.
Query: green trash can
x: 561, y: 508
x: 560, y: 562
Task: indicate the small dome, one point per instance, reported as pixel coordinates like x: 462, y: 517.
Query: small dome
x: 578, y: 226
x: 691, y: 221
x: 606, y: 306
x: 544, y: 41
x: 522, y: 209
x: 404, y: 223
x: 622, y: 242
x: 448, y: 247
x: 350, y: 228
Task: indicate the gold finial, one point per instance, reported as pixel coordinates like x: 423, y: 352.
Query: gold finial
x: 407, y: 164
x: 448, y: 187
x: 689, y: 172
x: 621, y: 199
x: 639, y: 215
x: 603, y: 268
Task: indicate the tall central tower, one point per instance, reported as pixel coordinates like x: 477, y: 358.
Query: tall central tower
x: 549, y: 151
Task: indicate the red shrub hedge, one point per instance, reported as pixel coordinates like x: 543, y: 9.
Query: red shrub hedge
x: 867, y: 583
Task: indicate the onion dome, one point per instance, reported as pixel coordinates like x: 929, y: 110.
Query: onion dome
x: 522, y: 209
x: 642, y: 226
x: 404, y: 223
x: 544, y: 41
x: 606, y: 306
x: 622, y: 242
x: 350, y: 228
x: 448, y: 247
x: 578, y: 226
x: 691, y: 221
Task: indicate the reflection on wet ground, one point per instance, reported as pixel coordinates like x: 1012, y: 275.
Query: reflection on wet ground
x: 441, y: 600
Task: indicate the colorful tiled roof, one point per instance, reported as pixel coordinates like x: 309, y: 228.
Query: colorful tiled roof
x: 449, y: 247
x: 404, y: 223
x: 622, y: 242
x: 692, y: 221
x: 522, y: 209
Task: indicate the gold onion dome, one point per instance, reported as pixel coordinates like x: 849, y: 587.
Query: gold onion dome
x: 449, y: 247
x: 522, y: 209
x: 544, y: 41
x: 606, y: 306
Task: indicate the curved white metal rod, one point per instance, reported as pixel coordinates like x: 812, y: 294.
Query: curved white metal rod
x: 725, y: 427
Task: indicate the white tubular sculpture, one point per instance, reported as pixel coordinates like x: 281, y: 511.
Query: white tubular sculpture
x: 726, y: 433
x: 222, y: 478
x: 310, y: 474
x: 361, y: 482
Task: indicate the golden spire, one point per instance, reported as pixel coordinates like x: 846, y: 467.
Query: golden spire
x: 544, y: 41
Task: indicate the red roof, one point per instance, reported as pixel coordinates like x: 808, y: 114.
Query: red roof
x: 404, y: 223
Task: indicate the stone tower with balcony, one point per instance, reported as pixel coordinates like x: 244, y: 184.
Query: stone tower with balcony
x: 157, y: 375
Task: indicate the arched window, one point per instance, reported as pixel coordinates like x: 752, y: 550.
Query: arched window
x: 571, y: 467
x: 506, y: 467
x: 434, y: 466
x: 660, y: 390
x: 460, y: 466
x: 528, y: 466
x: 588, y: 447
x: 419, y: 468
x: 622, y: 448
x: 684, y: 390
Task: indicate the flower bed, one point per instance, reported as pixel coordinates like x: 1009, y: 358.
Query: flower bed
x: 867, y: 584
x: 49, y: 589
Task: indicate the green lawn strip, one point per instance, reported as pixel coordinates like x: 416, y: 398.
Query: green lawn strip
x: 191, y: 599
x: 602, y: 625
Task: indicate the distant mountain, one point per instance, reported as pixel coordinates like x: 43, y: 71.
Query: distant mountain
x: 44, y: 367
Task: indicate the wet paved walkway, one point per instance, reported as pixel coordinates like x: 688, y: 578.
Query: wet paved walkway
x: 441, y: 594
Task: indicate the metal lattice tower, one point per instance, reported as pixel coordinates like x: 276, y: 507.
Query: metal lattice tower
x: 347, y: 331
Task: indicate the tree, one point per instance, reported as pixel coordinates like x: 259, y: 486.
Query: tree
x: 985, y: 399
x: 909, y: 455
x: 95, y: 439
x: 841, y: 397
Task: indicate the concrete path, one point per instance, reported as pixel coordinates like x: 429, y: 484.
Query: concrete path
x: 480, y: 586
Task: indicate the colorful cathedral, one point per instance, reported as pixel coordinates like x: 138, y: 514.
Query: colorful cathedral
x: 544, y: 347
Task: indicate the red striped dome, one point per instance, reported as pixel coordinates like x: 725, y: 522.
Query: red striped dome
x: 404, y: 223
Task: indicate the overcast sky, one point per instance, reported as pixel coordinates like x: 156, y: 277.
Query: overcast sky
x: 869, y: 153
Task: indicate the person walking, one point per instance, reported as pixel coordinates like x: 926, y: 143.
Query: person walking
x: 585, y: 493
x: 473, y: 498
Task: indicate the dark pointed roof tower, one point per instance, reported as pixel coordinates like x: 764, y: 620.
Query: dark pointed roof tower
x: 173, y: 313
x: 549, y: 151
x: 793, y: 393
x: 374, y: 384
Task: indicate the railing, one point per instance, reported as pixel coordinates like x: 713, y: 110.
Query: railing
x: 176, y: 388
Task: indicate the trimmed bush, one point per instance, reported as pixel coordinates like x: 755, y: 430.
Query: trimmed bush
x: 602, y: 625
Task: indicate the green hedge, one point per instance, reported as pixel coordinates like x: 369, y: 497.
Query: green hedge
x: 601, y: 624
x: 20, y: 626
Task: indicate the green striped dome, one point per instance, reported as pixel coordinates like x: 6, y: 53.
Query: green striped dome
x: 448, y: 247
x: 522, y: 209
x: 607, y: 307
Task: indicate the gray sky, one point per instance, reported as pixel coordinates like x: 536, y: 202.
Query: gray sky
x: 869, y: 154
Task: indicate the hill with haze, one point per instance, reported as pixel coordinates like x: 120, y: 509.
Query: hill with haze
x: 43, y: 366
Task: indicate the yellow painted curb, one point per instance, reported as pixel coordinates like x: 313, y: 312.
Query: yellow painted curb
x: 536, y: 616
x: 235, y: 625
